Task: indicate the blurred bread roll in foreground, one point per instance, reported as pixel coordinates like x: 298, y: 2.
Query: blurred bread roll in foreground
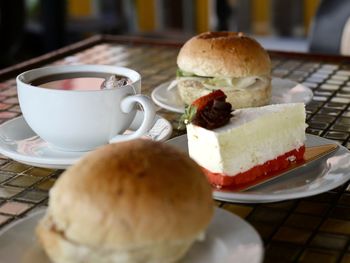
x: 230, y: 61
x: 136, y: 201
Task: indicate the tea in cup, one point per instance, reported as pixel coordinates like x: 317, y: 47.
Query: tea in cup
x: 78, y: 108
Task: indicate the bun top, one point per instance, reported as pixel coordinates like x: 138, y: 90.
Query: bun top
x: 224, y: 54
x: 131, y: 194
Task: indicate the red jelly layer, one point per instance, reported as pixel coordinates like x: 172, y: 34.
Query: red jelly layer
x: 281, y: 163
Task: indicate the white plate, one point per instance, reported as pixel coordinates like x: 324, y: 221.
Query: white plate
x: 19, y: 142
x: 228, y: 239
x: 283, y: 91
x: 311, y: 179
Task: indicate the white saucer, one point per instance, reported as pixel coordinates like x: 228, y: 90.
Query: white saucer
x: 19, y: 142
x: 283, y: 91
x: 228, y: 239
x: 314, y: 178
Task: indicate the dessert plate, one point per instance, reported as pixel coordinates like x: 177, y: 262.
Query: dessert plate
x: 228, y: 239
x: 283, y: 91
x: 19, y: 142
x: 309, y: 179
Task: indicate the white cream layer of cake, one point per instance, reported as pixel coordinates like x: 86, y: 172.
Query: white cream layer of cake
x: 252, y: 137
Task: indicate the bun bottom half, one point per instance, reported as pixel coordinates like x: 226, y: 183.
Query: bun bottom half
x: 61, y: 250
x: 239, y: 98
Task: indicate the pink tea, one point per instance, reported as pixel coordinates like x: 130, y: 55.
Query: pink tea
x: 77, y: 81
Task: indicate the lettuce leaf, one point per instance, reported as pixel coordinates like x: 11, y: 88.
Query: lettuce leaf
x: 181, y: 73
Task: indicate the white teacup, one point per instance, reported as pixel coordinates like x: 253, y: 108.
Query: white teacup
x: 75, y: 120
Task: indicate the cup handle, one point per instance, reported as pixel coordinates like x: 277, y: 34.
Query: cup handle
x: 127, y: 105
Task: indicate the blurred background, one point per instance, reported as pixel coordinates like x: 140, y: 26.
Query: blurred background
x: 29, y: 28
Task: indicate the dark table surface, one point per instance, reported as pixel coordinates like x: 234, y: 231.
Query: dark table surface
x: 313, y: 229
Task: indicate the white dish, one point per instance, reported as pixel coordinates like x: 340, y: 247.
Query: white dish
x: 19, y: 142
x: 313, y: 178
x: 228, y: 239
x: 283, y: 91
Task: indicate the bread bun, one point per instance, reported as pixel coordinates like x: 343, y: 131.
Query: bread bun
x: 226, y: 55
x: 136, y: 201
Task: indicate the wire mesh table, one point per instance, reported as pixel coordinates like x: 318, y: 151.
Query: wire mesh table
x: 314, y: 229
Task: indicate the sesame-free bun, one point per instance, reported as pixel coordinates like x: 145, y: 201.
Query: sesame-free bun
x: 226, y: 55
x: 136, y: 201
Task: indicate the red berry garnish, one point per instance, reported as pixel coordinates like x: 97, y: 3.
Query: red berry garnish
x: 201, y: 102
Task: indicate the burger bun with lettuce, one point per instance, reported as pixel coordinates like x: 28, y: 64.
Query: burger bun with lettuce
x: 230, y: 61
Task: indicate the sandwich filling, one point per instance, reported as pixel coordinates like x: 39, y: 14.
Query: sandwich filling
x: 214, y: 83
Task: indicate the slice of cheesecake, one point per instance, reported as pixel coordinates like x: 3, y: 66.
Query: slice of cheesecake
x: 255, y: 142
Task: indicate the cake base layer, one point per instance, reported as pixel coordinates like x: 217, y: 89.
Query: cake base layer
x: 267, y: 169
